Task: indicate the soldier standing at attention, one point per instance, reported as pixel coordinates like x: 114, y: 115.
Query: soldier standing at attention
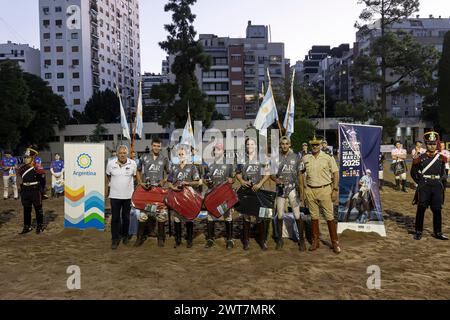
x: 428, y: 171
x: 322, y: 185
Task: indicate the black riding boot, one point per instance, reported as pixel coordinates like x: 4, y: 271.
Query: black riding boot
x: 189, y: 233
x: 141, y: 237
x: 437, y: 225
x: 301, y: 234
x: 210, y: 234
x: 246, y: 235
x: 39, y: 220
x: 262, y: 235
x: 26, y: 220
x: 397, y: 184
x: 404, y: 186
x: 161, y: 233
x: 177, y: 227
x: 419, y: 222
x: 308, y: 229
x: 229, y: 234
x: 279, y: 234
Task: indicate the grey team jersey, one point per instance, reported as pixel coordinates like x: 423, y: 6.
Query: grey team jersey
x: 252, y: 172
x: 289, y: 168
x: 218, y: 173
x: 189, y: 173
x: 153, y: 169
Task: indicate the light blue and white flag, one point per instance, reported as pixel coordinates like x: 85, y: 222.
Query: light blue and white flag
x: 290, y: 111
x: 139, y: 117
x: 123, y: 119
x: 267, y: 113
x: 188, y: 133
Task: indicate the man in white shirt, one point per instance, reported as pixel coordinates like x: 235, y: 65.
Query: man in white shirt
x: 399, y: 165
x: 121, y: 174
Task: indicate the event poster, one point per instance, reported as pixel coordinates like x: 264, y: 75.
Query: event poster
x: 84, y: 197
x: 359, y: 196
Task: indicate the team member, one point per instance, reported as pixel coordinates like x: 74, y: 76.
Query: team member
x: 151, y: 173
x: 33, y: 179
x: 57, y: 171
x: 321, y: 175
x: 9, y: 166
x: 254, y: 175
x: 217, y: 173
x: 287, y: 180
x: 428, y: 171
x: 399, y: 165
x: 120, y: 174
x: 183, y: 174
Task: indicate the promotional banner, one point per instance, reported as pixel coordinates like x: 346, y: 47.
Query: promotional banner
x: 359, y: 196
x: 84, y: 199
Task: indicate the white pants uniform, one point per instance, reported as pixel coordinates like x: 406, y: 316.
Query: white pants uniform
x: 293, y: 202
x: 6, y: 181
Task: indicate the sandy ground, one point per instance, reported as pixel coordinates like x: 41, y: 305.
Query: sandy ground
x: 34, y: 266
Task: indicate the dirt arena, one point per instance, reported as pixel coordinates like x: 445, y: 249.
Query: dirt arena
x: 34, y: 266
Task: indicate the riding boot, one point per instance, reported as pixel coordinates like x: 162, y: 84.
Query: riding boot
x: 151, y: 228
x: 420, y: 215
x: 279, y: 234
x: 161, y: 233
x: 404, y: 186
x: 262, y: 235
x: 397, y: 184
x: 437, y: 225
x: 308, y: 229
x: 189, y: 233
x: 229, y: 233
x: 315, y: 235
x: 301, y: 234
x: 333, y: 235
x: 177, y: 227
x: 210, y: 234
x: 141, y: 237
x: 39, y: 220
x: 246, y: 235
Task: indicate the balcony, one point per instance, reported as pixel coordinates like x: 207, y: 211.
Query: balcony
x: 216, y: 80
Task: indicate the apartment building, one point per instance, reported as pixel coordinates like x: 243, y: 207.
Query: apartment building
x: 27, y: 57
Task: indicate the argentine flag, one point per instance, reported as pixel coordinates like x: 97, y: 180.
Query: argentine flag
x: 139, y: 120
x: 267, y: 113
x: 290, y: 111
x: 188, y: 133
x: 123, y: 119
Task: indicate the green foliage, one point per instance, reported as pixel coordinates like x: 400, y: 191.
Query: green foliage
x: 14, y: 107
x: 99, y: 132
x: 103, y: 105
x: 389, y: 126
x: 304, y: 131
x: 444, y: 86
x: 189, y: 55
x: 353, y: 112
x: 49, y: 110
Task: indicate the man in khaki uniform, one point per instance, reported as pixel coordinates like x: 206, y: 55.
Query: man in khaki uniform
x: 321, y: 175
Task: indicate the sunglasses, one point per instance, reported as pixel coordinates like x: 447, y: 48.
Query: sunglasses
x: 315, y: 145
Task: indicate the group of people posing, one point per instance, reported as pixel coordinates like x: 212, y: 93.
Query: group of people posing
x: 310, y: 180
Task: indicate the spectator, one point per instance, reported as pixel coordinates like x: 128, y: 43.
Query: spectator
x: 57, y: 170
x: 9, y: 166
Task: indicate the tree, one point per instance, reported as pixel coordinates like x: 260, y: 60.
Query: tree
x: 189, y: 55
x: 49, y: 110
x: 389, y: 126
x: 353, y: 112
x: 99, y: 132
x: 444, y: 85
x: 15, y: 111
x: 102, y: 105
x: 388, y: 11
x: 304, y: 131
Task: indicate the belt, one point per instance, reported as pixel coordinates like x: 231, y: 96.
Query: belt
x: 29, y: 184
x: 327, y: 185
x: 432, y: 177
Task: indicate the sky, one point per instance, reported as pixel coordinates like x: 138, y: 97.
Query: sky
x: 300, y: 24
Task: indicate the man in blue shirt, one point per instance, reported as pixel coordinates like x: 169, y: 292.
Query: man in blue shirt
x: 57, y: 170
x: 9, y: 166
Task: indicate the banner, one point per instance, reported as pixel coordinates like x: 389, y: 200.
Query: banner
x: 359, y: 196
x: 84, y: 198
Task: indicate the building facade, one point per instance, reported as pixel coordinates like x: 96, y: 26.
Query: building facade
x: 89, y: 46
x: 152, y: 108
x: 28, y: 58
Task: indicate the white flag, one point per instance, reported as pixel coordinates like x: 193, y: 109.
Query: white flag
x: 267, y: 113
x: 188, y: 132
x: 290, y: 111
x: 139, y: 120
x: 123, y: 119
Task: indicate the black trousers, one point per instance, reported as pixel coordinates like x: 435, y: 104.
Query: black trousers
x: 120, y: 221
x: 430, y: 195
x: 31, y: 197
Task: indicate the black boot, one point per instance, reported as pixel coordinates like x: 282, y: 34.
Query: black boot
x: 141, y: 237
x: 262, y: 235
x: 397, y: 184
x: 151, y: 227
x: 39, y: 220
x: 420, y: 214
x: 177, y: 227
x: 246, y: 235
x: 161, y: 233
x: 279, y: 234
x: 301, y: 234
x: 404, y: 186
x: 26, y: 229
x: 229, y: 233
x: 189, y: 233
x: 210, y: 234
x: 437, y: 224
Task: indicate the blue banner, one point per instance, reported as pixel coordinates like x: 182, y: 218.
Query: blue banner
x: 359, y: 196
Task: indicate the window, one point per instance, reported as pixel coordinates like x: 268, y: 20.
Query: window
x: 58, y: 23
x: 75, y: 49
x: 60, y: 75
x: 236, y: 83
x: 74, y: 35
x: 58, y: 9
x: 76, y: 102
x: 236, y: 69
x: 75, y: 62
x: 60, y: 62
x: 46, y: 23
x: 47, y: 49
x: 222, y: 99
x: 59, y: 49
x: 60, y: 88
x: 76, y: 75
x: 76, y: 88
x: 46, y: 36
x: 46, y: 10
x: 48, y: 76
x: 59, y: 36
x: 47, y: 63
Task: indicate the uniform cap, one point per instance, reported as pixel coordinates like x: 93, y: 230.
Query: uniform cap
x: 431, y: 137
x: 30, y: 152
x: 315, y: 140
